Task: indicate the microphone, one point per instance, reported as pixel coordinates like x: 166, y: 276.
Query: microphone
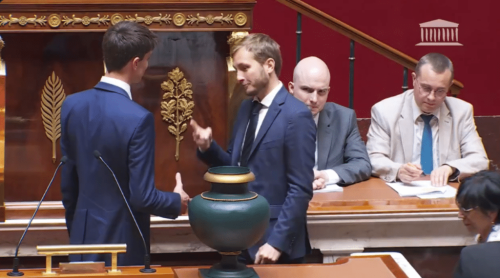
x: 147, y: 260
x: 15, y: 269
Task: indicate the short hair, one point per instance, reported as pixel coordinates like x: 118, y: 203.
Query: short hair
x: 124, y: 41
x: 438, y: 62
x: 263, y: 48
x: 481, y: 190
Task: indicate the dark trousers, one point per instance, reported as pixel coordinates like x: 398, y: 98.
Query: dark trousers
x: 245, y: 258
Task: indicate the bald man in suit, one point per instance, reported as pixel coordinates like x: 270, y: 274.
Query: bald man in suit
x: 341, y: 156
x: 424, y: 132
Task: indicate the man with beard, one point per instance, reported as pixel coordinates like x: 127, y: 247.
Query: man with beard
x: 274, y: 136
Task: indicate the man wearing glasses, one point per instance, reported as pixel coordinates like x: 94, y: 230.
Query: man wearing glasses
x: 424, y: 132
x: 341, y: 156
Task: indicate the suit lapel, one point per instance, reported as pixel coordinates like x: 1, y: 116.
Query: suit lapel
x: 324, y: 136
x: 406, y: 126
x: 272, y: 113
x: 444, y: 132
x: 240, y: 133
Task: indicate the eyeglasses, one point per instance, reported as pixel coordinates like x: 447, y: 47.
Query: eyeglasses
x: 426, y: 90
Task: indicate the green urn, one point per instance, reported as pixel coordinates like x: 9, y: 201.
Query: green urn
x: 229, y: 219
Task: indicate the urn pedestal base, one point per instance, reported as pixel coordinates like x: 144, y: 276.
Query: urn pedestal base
x: 229, y: 267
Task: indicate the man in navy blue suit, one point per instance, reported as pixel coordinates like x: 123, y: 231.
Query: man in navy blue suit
x: 275, y: 136
x: 106, y: 119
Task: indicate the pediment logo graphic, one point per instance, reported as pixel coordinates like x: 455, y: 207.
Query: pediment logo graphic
x: 439, y: 33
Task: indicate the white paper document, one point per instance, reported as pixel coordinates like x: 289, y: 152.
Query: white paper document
x: 330, y: 188
x: 423, y: 190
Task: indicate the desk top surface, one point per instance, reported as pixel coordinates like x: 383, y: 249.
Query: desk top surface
x: 375, y: 196
x: 369, y: 197
x: 381, y: 266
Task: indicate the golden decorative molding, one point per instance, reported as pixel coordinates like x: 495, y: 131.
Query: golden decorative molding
x: 52, y: 99
x: 86, y: 21
x: 236, y: 37
x: 210, y: 19
x: 22, y: 21
x: 54, y: 20
x: 240, y: 19
x: 148, y: 20
x: 2, y: 44
x: 176, y: 109
x: 179, y: 19
x: 57, y: 20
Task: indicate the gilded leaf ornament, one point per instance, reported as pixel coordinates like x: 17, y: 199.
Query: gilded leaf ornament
x: 86, y: 21
x: 210, y: 19
x: 177, y: 105
x: 148, y: 20
x: 23, y: 21
x: 52, y: 99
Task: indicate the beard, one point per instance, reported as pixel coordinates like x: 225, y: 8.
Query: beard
x: 258, y: 84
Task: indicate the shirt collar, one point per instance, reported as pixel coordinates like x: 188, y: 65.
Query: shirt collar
x: 268, y: 100
x: 316, y: 119
x: 118, y: 83
x: 417, y: 112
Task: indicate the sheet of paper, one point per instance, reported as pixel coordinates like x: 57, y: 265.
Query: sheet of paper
x: 330, y: 188
x: 422, y: 189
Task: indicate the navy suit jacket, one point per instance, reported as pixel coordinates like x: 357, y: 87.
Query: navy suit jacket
x: 106, y: 119
x: 282, y: 159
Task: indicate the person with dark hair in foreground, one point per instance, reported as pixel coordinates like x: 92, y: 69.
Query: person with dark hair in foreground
x: 106, y: 119
x: 478, y: 200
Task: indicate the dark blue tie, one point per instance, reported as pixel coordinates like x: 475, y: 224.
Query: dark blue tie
x: 250, y: 135
x: 426, y: 160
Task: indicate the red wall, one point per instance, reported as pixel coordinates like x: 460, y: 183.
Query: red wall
x: 396, y: 23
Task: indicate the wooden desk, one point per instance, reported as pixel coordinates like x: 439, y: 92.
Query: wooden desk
x: 374, y: 196
x: 364, y: 215
x: 381, y: 266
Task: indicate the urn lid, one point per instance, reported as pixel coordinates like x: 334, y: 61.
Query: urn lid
x: 229, y: 174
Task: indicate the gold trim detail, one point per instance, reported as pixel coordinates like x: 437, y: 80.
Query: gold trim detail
x: 176, y: 109
x: 179, y: 19
x: 52, y: 99
x: 2, y: 44
x: 54, y: 20
x: 148, y: 20
x: 115, y: 18
x: 236, y: 37
x: 86, y: 21
x: 230, y: 200
x: 53, y: 250
x: 230, y: 253
x: 210, y: 19
x: 219, y: 178
x: 22, y: 21
x: 240, y: 19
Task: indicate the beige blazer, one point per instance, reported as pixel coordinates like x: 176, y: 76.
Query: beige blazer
x: 390, y: 137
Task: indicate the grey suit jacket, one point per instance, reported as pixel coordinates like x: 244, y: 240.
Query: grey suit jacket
x: 390, y: 137
x: 340, y: 146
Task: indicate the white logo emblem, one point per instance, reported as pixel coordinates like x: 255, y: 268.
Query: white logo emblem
x: 439, y: 32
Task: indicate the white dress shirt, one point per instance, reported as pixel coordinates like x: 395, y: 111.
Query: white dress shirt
x: 117, y: 83
x: 333, y: 177
x: 418, y: 129
x: 266, y: 103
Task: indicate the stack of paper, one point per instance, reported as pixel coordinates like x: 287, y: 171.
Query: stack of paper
x: 423, y: 190
x: 330, y: 188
